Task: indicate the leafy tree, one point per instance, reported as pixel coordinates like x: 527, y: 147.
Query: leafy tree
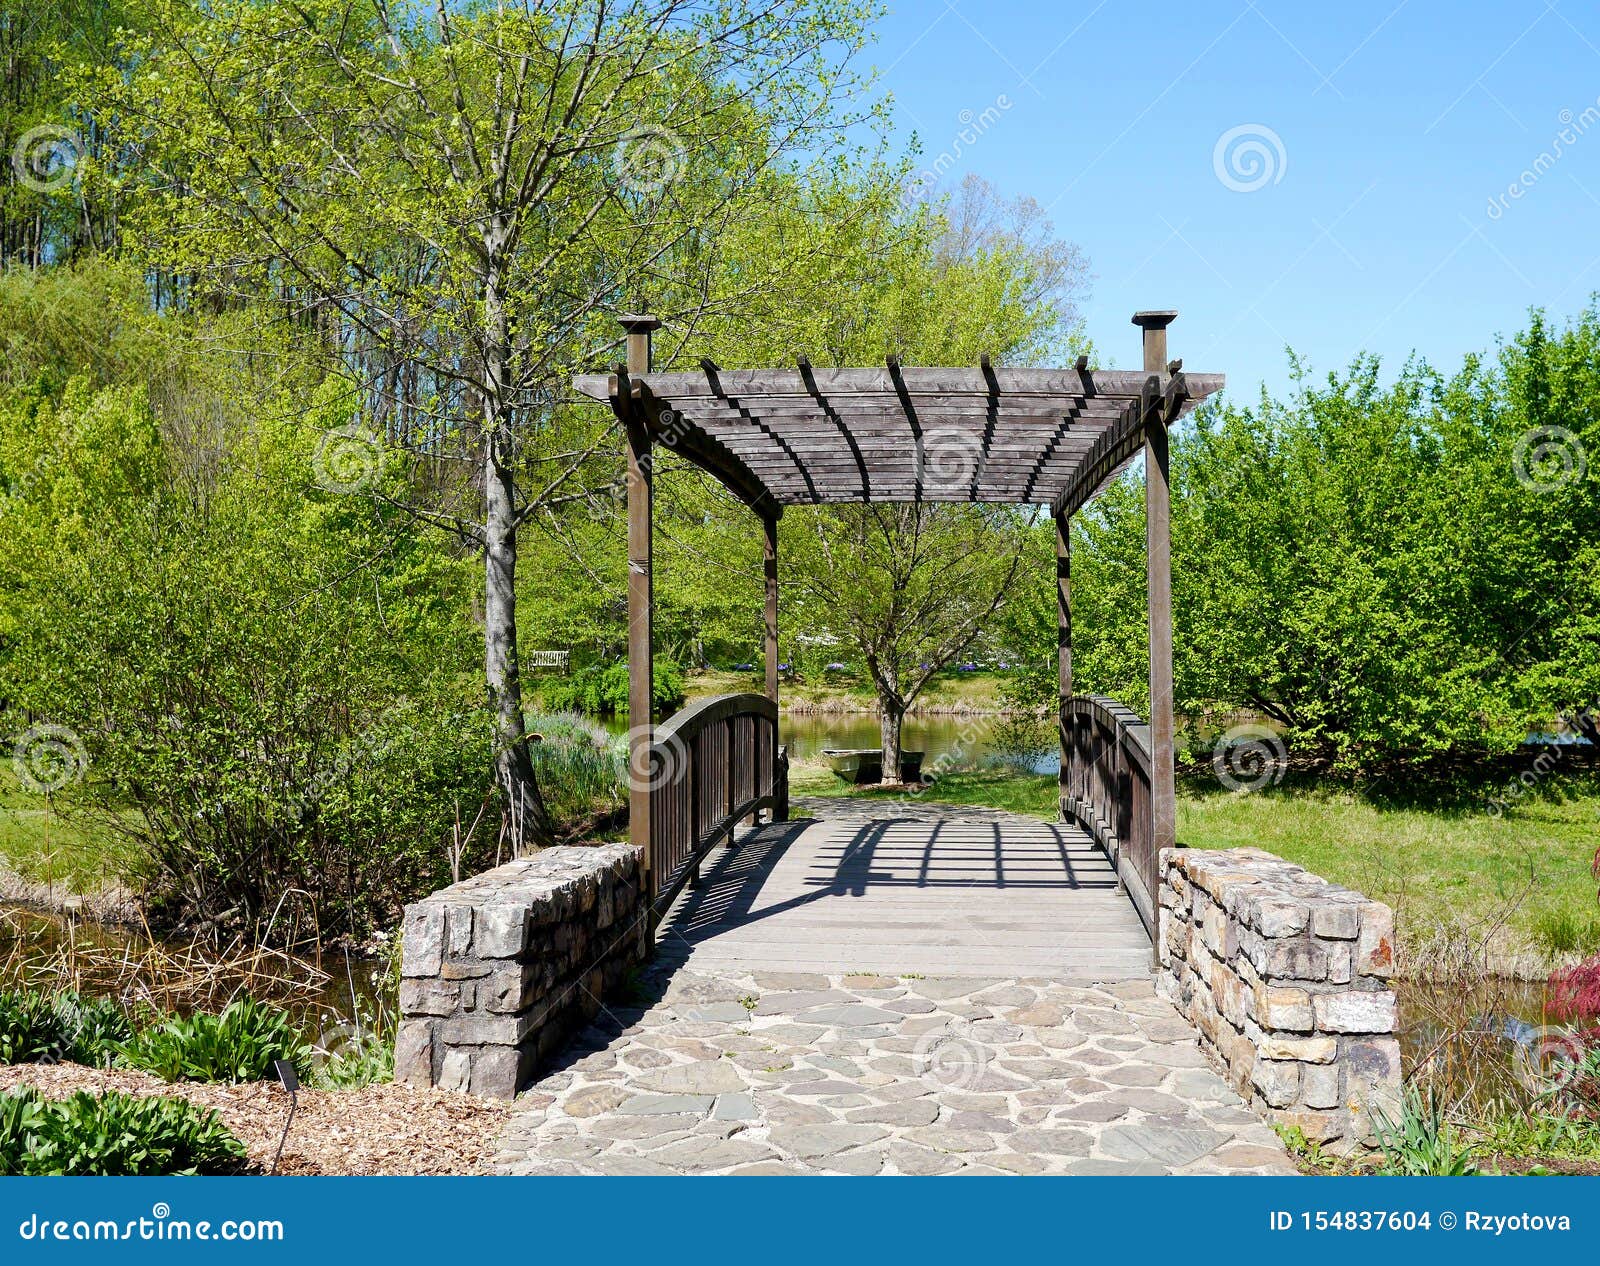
x: 459, y: 197
x: 1389, y: 572
x: 908, y: 587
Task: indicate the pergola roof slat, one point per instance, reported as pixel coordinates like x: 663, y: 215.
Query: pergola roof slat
x: 902, y: 433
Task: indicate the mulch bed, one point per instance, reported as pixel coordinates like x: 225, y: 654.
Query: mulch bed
x: 376, y: 1130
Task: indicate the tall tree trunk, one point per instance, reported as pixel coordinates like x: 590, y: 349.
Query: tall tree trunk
x: 891, y: 712
x: 524, y: 809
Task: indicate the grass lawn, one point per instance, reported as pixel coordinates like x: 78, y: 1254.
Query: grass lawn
x: 43, y: 847
x: 1520, y: 882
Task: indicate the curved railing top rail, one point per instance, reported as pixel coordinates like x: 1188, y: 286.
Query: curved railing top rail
x: 703, y: 712
x: 1129, y: 724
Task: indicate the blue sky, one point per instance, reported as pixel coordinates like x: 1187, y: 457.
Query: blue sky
x: 1385, y: 133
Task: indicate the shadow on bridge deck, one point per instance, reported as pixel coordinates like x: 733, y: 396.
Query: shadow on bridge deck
x: 925, y: 890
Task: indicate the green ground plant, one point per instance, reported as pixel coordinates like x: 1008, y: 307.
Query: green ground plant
x: 240, y: 1044
x: 37, y: 1027
x: 1419, y: 1142
x: 113, y: 1135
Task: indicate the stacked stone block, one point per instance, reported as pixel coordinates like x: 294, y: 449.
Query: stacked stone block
x: 1287, y: 978
x: 498, y: 970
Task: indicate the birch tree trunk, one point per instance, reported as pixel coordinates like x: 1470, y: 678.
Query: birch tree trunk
x: 524, y: 810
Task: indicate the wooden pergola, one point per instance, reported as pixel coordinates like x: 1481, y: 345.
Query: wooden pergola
x: 808, y: 435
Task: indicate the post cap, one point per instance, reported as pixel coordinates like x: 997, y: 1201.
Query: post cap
x: 638, y: 322
x: 1156, y: 319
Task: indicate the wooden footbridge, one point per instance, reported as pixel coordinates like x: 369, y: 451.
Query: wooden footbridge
x: 903, y: 889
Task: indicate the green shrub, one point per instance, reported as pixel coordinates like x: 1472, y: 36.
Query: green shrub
x: 238, y: 1045
x: 64, y: 1027
x: 114, y: 1134
x: 602, y: 691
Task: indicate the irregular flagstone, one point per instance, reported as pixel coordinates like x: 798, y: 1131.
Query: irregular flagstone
x: 1134, y: 1075
x: 981, y: 1121
x: 1099, y: 1110
x: 942, y: 989
x: 946, y: 1140
x: 789, y: 1112
x: 707, y: 1077
x: 794, y: 1003
x: 625, y: 1164
x: 920, y: 1162
x: 808, y: 1141
x: 1051, y: 1141
x: 1039, y: 1015
x: 864, y: 1084
x: 908, y: 1112
x: 661, y: 1105
x: 736, y: 1107
x: 1163, y: 1144
x: 789, y: 981
x: 591, y: 1101
x: 850, y: 1015
x: 697, y: 1155
x: 859, y: 1164
x: 640, y: 1127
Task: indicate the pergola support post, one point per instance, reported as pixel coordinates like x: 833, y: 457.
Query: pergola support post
x: 1064, y: 656
x: 1158, y: 551
x: 769, y: 528
x: 641, y: 606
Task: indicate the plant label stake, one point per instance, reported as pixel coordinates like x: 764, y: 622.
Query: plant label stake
x: 291, y: 1083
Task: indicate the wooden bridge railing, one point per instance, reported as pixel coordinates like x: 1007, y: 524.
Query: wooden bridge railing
x: 712, y: 765
x: 1105, y: 788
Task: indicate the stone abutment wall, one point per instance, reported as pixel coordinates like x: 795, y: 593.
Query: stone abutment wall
x: 1287, y: 978
x: 498, y: 970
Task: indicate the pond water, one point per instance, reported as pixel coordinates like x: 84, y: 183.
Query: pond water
x: 52, y: 951
x: 956, y: 740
